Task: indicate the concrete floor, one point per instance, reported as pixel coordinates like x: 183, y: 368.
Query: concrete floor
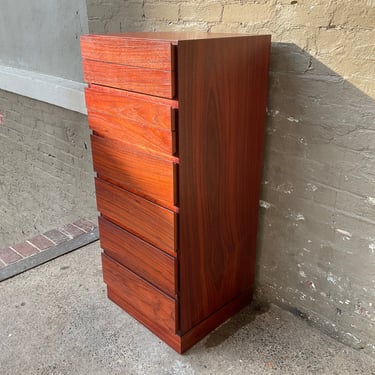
x: 56, y: 319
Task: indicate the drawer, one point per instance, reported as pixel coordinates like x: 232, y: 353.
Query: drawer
x: 118, y: 49
x: 133, y: 118
x: 147, y: 220
x: 135, y: 170
x: 139, y: 297
x: 139, y: 256
x: 131, y: 78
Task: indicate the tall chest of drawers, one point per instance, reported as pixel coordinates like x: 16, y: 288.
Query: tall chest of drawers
x: 177, y: 125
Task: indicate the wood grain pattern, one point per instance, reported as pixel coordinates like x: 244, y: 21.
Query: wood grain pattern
x: 139, y: 256
x: 132, y: 107
x: 131, y: 78
x: 131, y: 118
x: 119, y: 49
x: 150, y: 139
x: 153, y: 325
x: 143, y: 218
x: 145, y: 300
x: 221, y: 131
x: 215, y: 180
x: 139, y: 172
x: 213, y: 321
x: 182, y: 343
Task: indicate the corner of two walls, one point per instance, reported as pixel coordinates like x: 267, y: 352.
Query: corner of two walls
x: 316, y: 246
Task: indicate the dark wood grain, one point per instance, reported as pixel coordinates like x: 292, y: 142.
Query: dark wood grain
x: 150, y: 139
x: 131, y: 118
x: 213, y: 321
x: 119, y: 49
x: 146, y: 300
x: 139, y: 256
x: 182, y: 343
x: 132, y: 107
x: 141, y: 217
x: 131, y: 78
x: 222, y: 94
x: 135, y: 170
x: 118, y: 297
x: 215, y: 180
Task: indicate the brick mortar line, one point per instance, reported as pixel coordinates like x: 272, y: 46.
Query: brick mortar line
x: 67, y: 234
x: 37, y: 259
x: 47, y: 238
x: 36, y: 247
x: 22, y: 256
x: 69, y: 237
x: 50, y: 239
x: 80, y: 227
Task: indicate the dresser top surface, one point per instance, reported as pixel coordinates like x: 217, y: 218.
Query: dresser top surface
x: 171, y: 37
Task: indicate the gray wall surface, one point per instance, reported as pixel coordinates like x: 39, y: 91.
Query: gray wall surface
x: 43, y: 36
x: 316, y: 248
x: 46, y: 177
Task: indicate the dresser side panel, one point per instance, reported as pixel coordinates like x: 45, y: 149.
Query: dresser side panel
x: 222, y: 102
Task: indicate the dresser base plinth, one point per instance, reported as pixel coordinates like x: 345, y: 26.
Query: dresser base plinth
x: 182, y: 343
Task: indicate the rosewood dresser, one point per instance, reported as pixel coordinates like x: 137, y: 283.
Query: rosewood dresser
x: 177, y: 125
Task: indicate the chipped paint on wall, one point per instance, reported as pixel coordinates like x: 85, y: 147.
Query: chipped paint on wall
x: 311, y: 187
x: 292, y: 119
x: 264, y: 204
x: 345, y: 234
x: 286, y: 188
x: 297, y: 216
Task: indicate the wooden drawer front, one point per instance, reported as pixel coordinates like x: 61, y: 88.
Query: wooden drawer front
x: 131, y: 78
x: 145, y: 219
x: 139, y: 256
x: 150, y: 139
x: 145, y: 300
x: 151, y: 54
x: 132, y: 118
x: 132, y: 107
x: 138, y: 172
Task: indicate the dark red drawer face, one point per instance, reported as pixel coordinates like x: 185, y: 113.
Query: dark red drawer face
x: 145, y: 66
x: 145, y: 301
x: 139, y: 256
x: 146, y: 53
x: 131, y: 78
x: 149, y: 221
x: 132, y: 118
x: 135, y: 170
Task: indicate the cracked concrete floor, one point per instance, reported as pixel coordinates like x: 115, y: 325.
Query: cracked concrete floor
x: 56, y: 319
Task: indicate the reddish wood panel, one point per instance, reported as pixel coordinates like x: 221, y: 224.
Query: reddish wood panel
x: 222, y: 94
x: 213, y: 321
x: 130, y: 107
x: 132, y: 78
x: 141, y: 217
x: 132, y: 118
x: 222, y: 90
x: 150, y: 139
x: 139, y: 172
x: 145, y: 300
x: 154, y: 326
x: 119, y: 49
x: 182, y: 343
x: 139, y: 256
